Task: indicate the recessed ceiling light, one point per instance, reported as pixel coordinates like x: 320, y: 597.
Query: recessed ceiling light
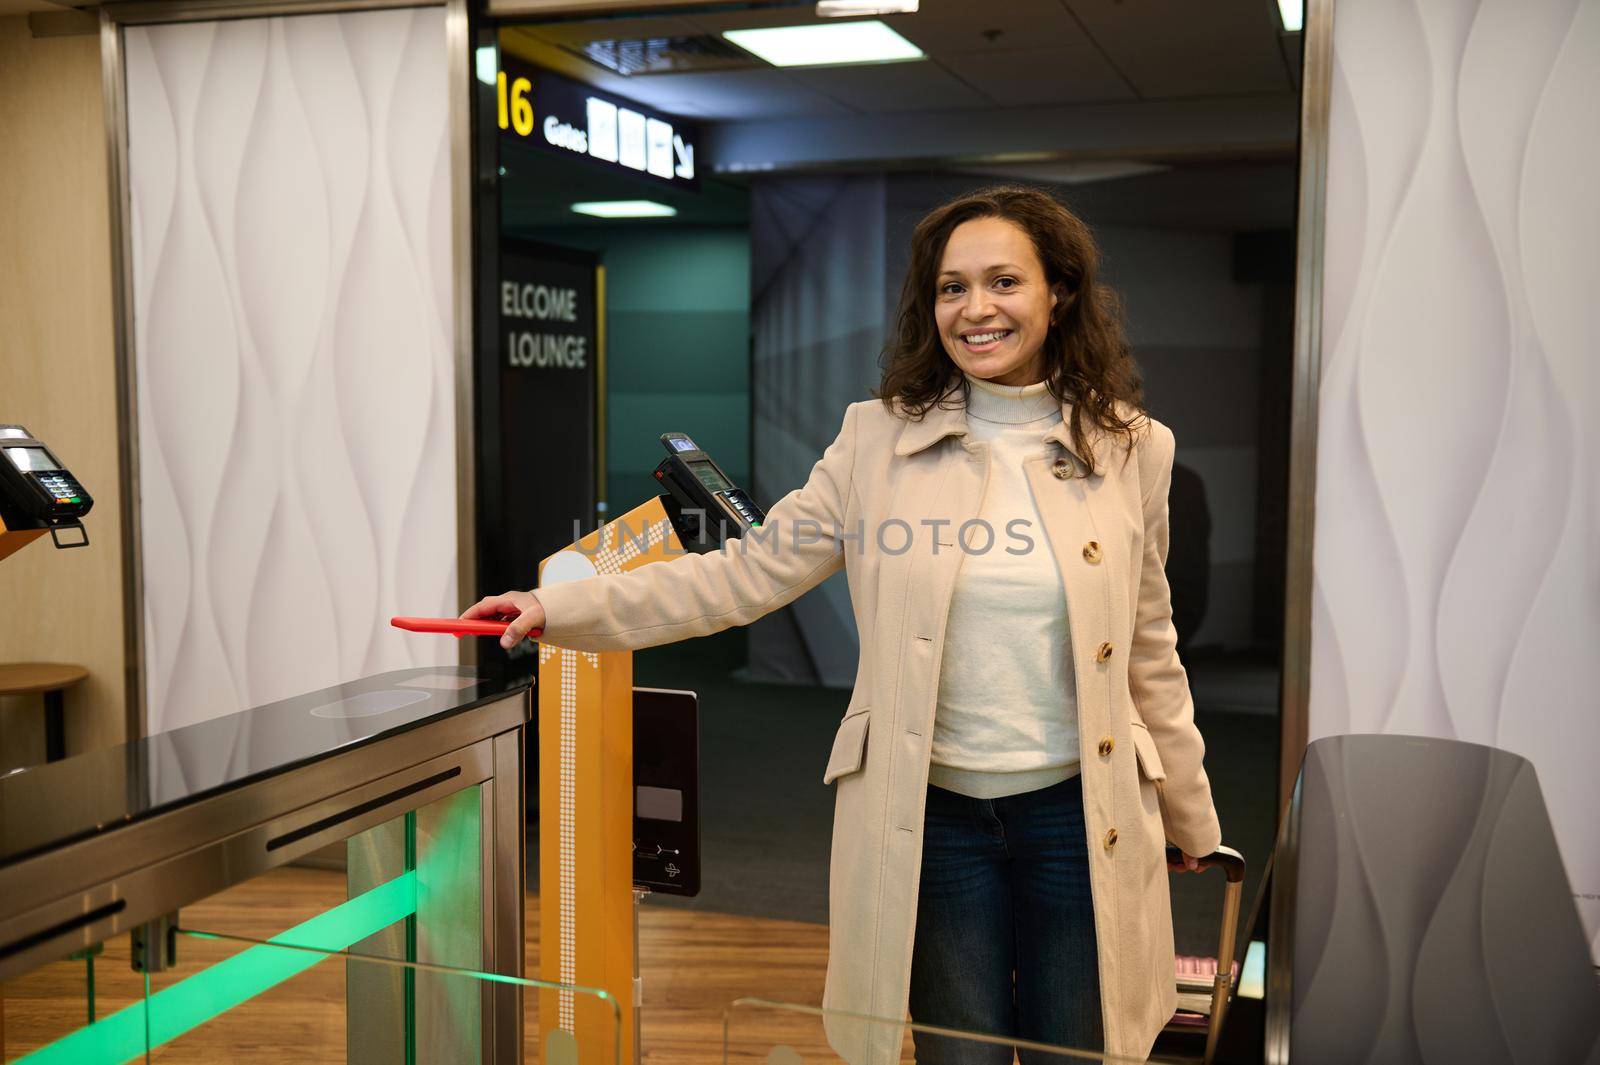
x: 852, y: 8
x: 1293, y: 14
x: 625, y: 209
x: 826, y: 45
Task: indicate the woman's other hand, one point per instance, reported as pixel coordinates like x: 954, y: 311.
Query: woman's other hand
x: 524, y: 607
x: 1190, y: 864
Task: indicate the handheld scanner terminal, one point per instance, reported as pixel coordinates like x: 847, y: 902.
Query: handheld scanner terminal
x: 34, y: 483
x: 711, y: 508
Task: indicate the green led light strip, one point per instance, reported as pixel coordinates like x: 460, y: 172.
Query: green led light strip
x: 213, y: 991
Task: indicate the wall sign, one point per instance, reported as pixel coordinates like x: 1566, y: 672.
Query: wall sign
x: 538, y: 404
x: 539, y: 319
x: 550, y: 112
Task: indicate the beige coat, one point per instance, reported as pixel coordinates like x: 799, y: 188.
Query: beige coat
x: 1143, y: 781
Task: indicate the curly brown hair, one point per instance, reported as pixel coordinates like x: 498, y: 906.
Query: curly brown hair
x: 1088, y: 361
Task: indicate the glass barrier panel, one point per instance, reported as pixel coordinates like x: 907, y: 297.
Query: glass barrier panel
x: 45, y: 1013
x: 437, y: 846
x: 40, y: 1007
x: 222, y: 1001
x: 231, y: 997
x: 303, y: 993
x: 762, y: 1032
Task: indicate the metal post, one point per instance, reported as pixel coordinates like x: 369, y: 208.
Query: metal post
x: 638, y: 981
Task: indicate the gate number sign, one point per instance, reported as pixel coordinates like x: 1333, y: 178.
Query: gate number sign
x: 546, y: 110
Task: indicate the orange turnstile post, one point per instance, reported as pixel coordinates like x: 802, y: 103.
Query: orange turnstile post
x: 586, y: 918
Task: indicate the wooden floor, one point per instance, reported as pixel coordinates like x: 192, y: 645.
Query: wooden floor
x: 694, y: 964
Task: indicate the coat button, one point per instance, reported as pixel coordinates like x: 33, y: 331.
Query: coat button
x: 1111, y: 838
x: 1104, y: 653
x: 1062, y: 469
x: 1107, y: 745
x: 1091, y: 552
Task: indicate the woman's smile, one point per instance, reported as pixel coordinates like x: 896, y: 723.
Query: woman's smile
x: 984, y: 340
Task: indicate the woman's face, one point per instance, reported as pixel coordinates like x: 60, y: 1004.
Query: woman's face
x: 993, y: 304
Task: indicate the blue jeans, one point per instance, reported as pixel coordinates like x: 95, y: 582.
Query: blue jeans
x: 1005, y: 927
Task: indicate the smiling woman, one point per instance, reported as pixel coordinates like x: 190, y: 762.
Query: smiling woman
x: 1012, y: 260
x: 1020, y: 745
x: 1003, y: 319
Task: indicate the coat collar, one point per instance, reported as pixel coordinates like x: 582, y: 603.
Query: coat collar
x: 948, y: 417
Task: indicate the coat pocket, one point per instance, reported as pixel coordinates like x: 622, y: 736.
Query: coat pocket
x: 1144, y: 748
x: 1151, y: 796
x: 849, y: 746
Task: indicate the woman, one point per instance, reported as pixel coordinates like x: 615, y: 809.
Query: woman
x: 1001, y: 514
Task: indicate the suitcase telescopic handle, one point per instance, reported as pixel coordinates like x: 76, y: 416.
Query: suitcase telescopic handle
x: 1231, y: 862
x: 1227, y: 859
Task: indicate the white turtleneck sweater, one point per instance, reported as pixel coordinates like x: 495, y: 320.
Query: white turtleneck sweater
x: 1007, y: 719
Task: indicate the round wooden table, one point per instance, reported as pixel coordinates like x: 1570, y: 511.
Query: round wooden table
x: 50, y: 679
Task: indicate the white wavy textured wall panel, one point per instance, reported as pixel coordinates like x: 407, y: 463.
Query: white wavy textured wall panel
x: 1457, y: 558
x: 291, y: 278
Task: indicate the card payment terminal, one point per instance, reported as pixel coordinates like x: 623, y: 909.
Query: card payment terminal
x: 703, y: 503
x: 36, y: 491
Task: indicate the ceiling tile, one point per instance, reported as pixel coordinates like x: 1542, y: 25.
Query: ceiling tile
x: 882, y: 87
x: 1170, y: 48
x: 758, y: 92
x: 946, y: 27
x: 1063, y: 75
x: 758, y: 18
x: 940, y: 27
x: 578, y: 34
x: 735, y: 94
x: 525, y: 44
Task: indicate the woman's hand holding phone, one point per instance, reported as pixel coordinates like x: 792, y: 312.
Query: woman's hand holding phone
x: 524, y: 607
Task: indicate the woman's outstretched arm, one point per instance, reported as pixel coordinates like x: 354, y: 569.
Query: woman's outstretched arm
x: 693, y: 595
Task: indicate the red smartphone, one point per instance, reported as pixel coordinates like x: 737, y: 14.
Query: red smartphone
x: 458, y: 627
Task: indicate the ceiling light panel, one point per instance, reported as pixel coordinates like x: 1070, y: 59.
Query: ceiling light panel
x: 857, y: 8
x: 828, y: 44
x: 624, y: 209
